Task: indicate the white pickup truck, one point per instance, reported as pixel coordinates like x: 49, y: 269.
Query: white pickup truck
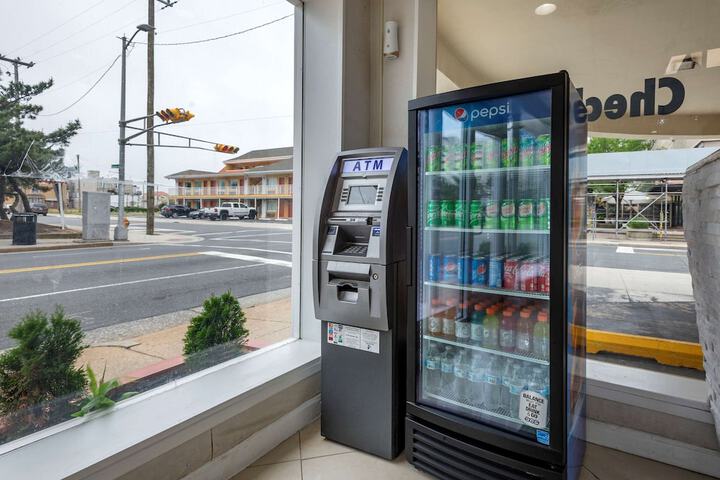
x: 232, y: 209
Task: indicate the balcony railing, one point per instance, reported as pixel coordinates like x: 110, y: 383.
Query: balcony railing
x: 231, y: 191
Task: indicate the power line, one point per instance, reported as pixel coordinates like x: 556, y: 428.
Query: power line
x: 224, y: 17
x: 223, y: 36
x: 61, y: 86
x: 61, y: 25
x: 84, y: 94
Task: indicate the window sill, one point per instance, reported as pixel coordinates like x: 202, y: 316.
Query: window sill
x: 140, y: 428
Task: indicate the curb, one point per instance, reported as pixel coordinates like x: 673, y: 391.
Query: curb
x: 674, y: 353
x: 69, y: 246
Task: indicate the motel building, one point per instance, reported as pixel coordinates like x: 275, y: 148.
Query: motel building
x: 259, y: 178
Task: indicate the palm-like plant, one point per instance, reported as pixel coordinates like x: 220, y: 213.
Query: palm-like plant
x: 98, y: 398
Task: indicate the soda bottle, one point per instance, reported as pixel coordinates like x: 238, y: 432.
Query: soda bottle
x: 493, y: 383
x: 448, y: 324
x: 432, y: 368
x: 476, y: 324
x: 476, y: 378
x: 507, y: 330
x: 524, y: 333
x: 447, y: 372
x: 515, y: 387
x: 491, y: 327
x: 462, y: 366
x: 541, y: 336
x: 435, y: 321
x: 462, y: 325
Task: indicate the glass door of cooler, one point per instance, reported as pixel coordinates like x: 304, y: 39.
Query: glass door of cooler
x: 484, y: 245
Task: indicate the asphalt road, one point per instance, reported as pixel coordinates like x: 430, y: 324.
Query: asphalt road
x: 108, y: 286
x: 629, y: 257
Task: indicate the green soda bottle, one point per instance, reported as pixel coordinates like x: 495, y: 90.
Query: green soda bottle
x: 447, y: 213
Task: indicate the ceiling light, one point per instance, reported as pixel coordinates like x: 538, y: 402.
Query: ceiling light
x: 545, y: 9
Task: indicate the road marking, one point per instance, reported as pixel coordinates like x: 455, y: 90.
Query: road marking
x: 255, y: 235
x: 675, y: 250
x: 207, y: 234
x: 625, y: 250
x: 131, y: 282
x: 97, y: 262
x: 201, y: 245
x: 77, y: 253
x: 249, y: 258
x: 251, y: 240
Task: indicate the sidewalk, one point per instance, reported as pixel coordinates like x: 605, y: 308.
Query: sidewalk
x: 137, y: 349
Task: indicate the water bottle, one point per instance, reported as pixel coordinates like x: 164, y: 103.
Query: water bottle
x: 462, y: 366
x: 516, y: 385
x: 538, y: 385
x: 493, y: 383
x: 476, y: 378
x: 432, y: 369
x: 447, y: 372
x: 508, y: 371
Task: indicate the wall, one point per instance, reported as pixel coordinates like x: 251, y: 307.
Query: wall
x: 701, y: 214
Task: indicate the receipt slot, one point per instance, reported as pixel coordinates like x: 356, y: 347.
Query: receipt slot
x: 360, y: 284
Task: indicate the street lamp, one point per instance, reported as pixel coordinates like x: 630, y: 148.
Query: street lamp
x: 121, y: 232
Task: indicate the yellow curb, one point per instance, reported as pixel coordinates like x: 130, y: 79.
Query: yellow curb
x: 667, y: 352
x: 98, y: 262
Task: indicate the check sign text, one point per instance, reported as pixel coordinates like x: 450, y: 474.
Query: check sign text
x: 368, y: 165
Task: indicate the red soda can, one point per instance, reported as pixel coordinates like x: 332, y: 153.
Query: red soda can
x: 528, y: 274
x: 510, y: 275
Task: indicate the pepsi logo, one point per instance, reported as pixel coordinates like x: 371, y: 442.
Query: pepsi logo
x: 460, y: 114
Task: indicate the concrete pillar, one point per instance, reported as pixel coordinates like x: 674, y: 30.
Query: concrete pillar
x: 96, y: 216
x: 701, y: 219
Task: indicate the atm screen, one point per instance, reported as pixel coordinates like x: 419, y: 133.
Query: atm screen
x: 362, y: 195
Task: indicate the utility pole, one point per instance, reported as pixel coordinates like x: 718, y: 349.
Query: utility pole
x: 150, y: 192
x: 15, y: 63
x: 79, y: 185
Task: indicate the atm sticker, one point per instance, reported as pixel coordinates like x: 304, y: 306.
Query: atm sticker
x: 375, y: 231
x: 542, y: 437
x: 353, y: 337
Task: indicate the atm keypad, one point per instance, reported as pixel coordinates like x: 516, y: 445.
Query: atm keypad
x: 360, y: 250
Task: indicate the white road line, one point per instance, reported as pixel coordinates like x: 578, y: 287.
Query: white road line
x: 131, y: 282
x: 202, y: 245
x: 74, y: 254
x: 249, y: 258
x: 216, y: 233
x: 673, y: 250
x: 251, y: 240
x: 255, y: 235
x: 625, y: 250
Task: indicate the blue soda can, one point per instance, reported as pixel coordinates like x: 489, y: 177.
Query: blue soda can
x: 434, y: 262
x: 495, y: 272
x: 450, y: 269
x: 479, y: 273
x: 465, y: 270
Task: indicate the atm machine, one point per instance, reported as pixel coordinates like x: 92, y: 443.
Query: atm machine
x: 360, y: 278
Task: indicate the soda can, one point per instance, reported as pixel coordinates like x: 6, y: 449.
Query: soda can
x: 510, y: 274
x: 433, y: 155
x: 542, y: 214
x: 433, y: 213
x: 527, y: 150
x: 434, y: 262
x: 495, y: 272
x: 492, y: 153
x: 449, y: 269
x: 528, y: 274
x: 447, y: 213
x: 464, y: 270
x: 476, y: 214
x: 460, y: 213
x: 509, y: 147
x: 507, y: 215
x: 452, y: 157
x: 479, y: 271
x: 543, y: 276
x: 476, y: 156
x: 525, y: 214
x: 492, y: 215
x: 542, y: 149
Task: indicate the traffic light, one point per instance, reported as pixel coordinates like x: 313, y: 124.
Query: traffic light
x: 174, y: 115
x: 226, y: 148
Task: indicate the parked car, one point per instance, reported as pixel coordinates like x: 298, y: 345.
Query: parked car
x: 175, y: 211
x: 39, y: 208
x: 202, y: 213
x: 232, y: 209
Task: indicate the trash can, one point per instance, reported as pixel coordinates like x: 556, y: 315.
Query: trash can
x: 24, y: 229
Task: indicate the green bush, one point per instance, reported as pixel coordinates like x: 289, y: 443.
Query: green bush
x: 41, y: 366
x: 222, y: 321
x: 638, y: 224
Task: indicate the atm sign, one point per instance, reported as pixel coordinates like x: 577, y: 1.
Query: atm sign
x: 368, y: 165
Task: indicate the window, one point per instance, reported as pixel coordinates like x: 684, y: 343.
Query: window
x: 650, y: 88
x: 191, y: 288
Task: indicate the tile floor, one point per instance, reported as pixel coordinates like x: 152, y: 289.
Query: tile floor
x: 307, y: 456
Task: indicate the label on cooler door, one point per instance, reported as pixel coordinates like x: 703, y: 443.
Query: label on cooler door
x: 533, y: 409
x: 353, y: 337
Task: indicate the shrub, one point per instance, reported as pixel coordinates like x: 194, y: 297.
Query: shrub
x: 42, y: 364
x: 222, y: 321
x: 638, y: 224
x: 97, y: 398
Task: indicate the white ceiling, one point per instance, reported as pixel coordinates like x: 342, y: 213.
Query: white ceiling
x: 607, y: 46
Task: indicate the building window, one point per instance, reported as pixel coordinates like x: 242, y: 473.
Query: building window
x: 203, y: 293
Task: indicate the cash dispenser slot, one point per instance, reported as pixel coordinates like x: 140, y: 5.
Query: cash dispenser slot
x: 351, y: 282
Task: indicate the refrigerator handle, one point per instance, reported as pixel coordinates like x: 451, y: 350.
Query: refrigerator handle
x: 409, y: 256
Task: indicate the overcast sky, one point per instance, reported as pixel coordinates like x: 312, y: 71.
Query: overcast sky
x: 240, y: 89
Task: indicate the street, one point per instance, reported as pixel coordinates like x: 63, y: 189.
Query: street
x: 114, y: 285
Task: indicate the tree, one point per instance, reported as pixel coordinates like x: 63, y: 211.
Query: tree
x: 18, y: 142
x: 608, y: 145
